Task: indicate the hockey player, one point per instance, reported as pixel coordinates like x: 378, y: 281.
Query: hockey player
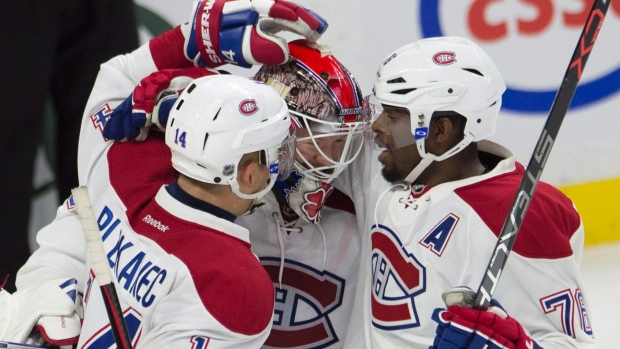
x: 306, y: 234
x: 434, y: 217
x: 305, y: 231
x: 184, y: 271
x: 185, y: 274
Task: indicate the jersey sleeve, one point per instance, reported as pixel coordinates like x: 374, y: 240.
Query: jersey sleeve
x: 116, y: 80
x: 184, y: 319
x: 541, y: 285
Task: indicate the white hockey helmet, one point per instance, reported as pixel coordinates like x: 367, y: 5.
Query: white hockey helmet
x: 441, y: 74
x: 325, y: 99
x: 219, y: 118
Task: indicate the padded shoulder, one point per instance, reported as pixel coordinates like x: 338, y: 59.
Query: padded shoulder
x: 549, y: 223
x: 232, y: 284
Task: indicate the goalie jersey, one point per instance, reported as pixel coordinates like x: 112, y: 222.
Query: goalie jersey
x: 184, y: 272
x: 313, y: 268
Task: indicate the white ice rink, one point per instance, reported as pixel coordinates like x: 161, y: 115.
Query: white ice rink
x: 600, y: 269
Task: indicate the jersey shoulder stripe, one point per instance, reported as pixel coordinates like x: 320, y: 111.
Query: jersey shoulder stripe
x: 549, y: 224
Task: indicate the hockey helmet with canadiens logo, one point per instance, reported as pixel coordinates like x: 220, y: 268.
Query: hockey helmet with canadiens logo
x: 219, y: 118
x: 449, y: 74
x: 325, y: 99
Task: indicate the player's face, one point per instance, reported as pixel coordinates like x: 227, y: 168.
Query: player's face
x: 393, y: 134
x: 331, y: 148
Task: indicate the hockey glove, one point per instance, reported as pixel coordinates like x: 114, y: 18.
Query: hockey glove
x: 463, y: 327
x: 51, y: 308
x: 150, y: 103
x: 240, y: 32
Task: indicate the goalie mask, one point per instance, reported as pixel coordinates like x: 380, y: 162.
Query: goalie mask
x: 446, y: 74
x: 326, y: 105
x: 217, y: 119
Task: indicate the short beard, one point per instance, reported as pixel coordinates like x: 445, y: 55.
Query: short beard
x: 392, y: 175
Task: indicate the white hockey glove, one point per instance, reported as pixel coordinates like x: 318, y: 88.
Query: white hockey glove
x: 51, y: 308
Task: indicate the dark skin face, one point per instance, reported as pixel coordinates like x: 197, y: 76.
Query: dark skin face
x: 400, y: 155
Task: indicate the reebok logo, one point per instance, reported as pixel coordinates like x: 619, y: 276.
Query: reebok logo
x: 157, y: 224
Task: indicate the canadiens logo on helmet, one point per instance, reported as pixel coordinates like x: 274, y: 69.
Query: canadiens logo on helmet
x: 444, y: 58
x: 248, y: 107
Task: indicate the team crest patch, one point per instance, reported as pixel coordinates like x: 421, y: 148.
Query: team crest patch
x: 397, y: 278
x: 304, y: 302
x: 100, y: 117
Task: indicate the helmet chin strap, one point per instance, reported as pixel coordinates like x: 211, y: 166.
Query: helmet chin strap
x: 256, y: 197
x: 424, y: 163
x: 428, y: 158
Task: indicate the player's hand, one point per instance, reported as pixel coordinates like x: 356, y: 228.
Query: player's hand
x: 462, y: 327
x: 51, y: 308
x: 150, y: 103
x: 240, y: 32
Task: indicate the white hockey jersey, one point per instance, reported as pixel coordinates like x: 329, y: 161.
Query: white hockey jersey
x: 421, y: 241
x: 185, y: 274
x: 313, y: 267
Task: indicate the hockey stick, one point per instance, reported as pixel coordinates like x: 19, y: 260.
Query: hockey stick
x: 101, y: 268
x: 537, y: 162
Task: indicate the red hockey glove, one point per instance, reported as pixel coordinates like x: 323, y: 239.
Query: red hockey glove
x: 240, y: 32
x: 150, y: 103
x: 463, y: 327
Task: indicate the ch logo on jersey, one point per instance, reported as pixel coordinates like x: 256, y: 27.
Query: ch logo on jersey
x: 100, y: 117
x: 397, y: 277
x: 303, y: 304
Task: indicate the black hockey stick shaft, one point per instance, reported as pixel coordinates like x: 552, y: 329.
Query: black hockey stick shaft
x: 98, y: 257
x: 537, y: 162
